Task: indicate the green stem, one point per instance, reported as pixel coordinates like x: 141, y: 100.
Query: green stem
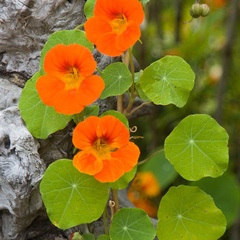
x: 115, y: 199
x: 132, y: 89
x: 138, y: 107
x: 148, y: 158
x: 79, y: 26
x: 98, y: 70
x: 105, y: 221
x: 132, y: 71
x: 79, y: 117
x: 120, y: 104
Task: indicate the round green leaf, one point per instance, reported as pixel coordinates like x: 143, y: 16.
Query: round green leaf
x: 117, y: 78
x: 70, y: 197
x: 92, y: 110
x: 89, y: 7
x: 197, y: 147
x: 76, y: 236
x: 103, y: 237
x: 118, y: 115
x: 141, y: 94
x: 225, y: 192
x: 131, y: 223
x: 160, y: 167
x: 144, y: 1
x: 40, y: 119
x: 88, y: 111
x: 168, y: 80
x: 65, y: 37
x: 189, y: 213
x: 123, y: 181
x: 88, y: 236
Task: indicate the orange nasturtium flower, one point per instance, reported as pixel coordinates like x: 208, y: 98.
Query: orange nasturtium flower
x: 143, y: 190
x: 68, y: 84
x: 115, y: 26
x: 106, y: 152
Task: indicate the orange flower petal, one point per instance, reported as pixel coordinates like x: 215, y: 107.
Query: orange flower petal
x: 90, y: 89
x: 86, y: 163
x: 47, y: 88
x: 68, y: 85
x: 67, y: 102
x: 95, y: 27
x: 141, y: 202
x: 107, y: 127
x: 61, y: 57
x: 128, y: 155
x: 128, y: 38
x: 52, y: 93
x: 104, y: 140
x: 112, y: 170
x: 107, y: 44
x: 146, y: 183
x: 109, y: 9
x: 114, y: 131
x: 100, y: 33
x: 114, y: 18
x: 84, y: 133
x: 133, y: 11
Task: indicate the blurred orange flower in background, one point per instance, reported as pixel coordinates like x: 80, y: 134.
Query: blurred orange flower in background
x: 215, y: 4
x: 115, y: 26
x: 106, y: 152
x: 143, y: 189
x: 69, y: 85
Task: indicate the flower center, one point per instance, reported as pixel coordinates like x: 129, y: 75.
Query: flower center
x: 72, y: 79
x: 102, y: 148
x: 119, y: 24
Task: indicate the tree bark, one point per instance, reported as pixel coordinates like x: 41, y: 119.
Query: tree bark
x: 24, y: 28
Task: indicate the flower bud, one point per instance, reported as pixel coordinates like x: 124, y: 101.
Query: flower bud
x: 196, y: 10
x: 205, y: 10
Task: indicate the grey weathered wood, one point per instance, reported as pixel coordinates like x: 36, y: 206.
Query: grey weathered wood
x: 24, y: 28
x: 20, y: 172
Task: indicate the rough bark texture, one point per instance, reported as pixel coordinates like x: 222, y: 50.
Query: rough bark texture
x: 24, y: 28
x: 20, y: 171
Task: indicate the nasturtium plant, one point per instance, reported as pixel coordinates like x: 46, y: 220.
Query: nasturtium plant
x: 91, y: 111
x: 189, y: 213
x: 145, y: 1
x: 131, y: 224
x: 69, y: 86
x: 198, y: 147
x: 117, y: 79
x: 40, y: 119
x: 161, y: 168
x: 225, y: 192
x: 88, y: 8
x: 76, y: 236
x: 123, y: 181
x: 168, y: 81
x: 104, y: 237
x: 88, y: 236
x: 65, y: 37
x: 68, y: 195
x: 118, y: 115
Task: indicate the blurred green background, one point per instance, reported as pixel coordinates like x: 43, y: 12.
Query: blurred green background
x: 211, y: 45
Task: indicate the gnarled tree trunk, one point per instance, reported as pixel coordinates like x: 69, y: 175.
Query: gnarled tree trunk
x: 24, y: 28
